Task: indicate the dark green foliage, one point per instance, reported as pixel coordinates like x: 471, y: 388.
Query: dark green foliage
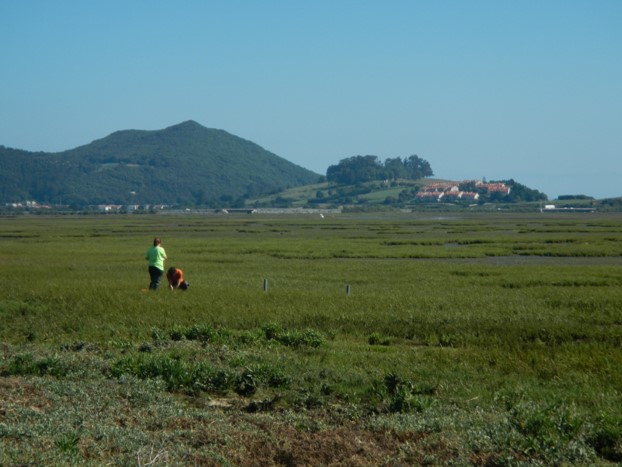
x: 272, y: 330
x: 26, y: 364
x: 158, y: 335
x: 178, y: 374
x: 355, y: 169
x: 197, y: 332
x: 145, y: 347
x: 518, y: 193
x: 183, y: 164
x: 308, y: 338
x: 343, y: 195
x: 294, y: 338
x: 263, y: 405
x: 201, y: 333
x: 403, y: 396
x: 178, y: 333
x: 545, y: 428
x: 607, y: 440
x: 613, y: 204
x: 359, y: 169
x: 68, y: 443
x: 376, y: 339
x: 246, y: 383
x: 275, y: 378
x: 571, y: 197
x: 184, y: 374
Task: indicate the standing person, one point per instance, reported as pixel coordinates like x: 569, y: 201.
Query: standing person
x: 156, y: 256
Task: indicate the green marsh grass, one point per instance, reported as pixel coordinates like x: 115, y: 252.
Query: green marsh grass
x: 484, y: 339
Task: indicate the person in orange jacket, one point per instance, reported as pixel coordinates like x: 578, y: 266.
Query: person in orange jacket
x: 176, y: 280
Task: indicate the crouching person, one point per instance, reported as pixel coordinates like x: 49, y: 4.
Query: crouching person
x: 176, y: 280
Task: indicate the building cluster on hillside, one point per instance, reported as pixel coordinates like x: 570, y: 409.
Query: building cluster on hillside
x: 32, y: 205
x: 450, y: 192
x: 27, y: 205
x: 130, y: 207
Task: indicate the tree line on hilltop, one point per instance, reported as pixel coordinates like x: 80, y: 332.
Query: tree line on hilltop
x: 359, y: 169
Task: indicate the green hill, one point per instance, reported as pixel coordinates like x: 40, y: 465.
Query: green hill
x: 183, y: 164
x: 400, y: 193
x: 332, y: 195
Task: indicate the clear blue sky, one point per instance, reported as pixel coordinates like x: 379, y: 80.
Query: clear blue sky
x: 530, y: 90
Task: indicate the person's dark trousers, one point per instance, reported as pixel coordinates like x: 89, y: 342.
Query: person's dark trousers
x: 156, y: 275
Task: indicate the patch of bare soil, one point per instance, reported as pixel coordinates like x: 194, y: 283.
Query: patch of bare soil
x: 261, y: 441
x: 334, y: 447
x: 15, y: 392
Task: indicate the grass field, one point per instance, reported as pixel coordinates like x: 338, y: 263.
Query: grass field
x: 385, y: 339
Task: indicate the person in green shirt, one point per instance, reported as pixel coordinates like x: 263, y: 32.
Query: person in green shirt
x: 156, y: 256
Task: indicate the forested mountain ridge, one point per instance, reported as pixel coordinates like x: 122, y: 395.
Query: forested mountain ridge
x: 182, y: 164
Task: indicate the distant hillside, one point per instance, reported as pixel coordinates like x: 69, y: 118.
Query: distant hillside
x: 183, y: 164
x: 401, y: 193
